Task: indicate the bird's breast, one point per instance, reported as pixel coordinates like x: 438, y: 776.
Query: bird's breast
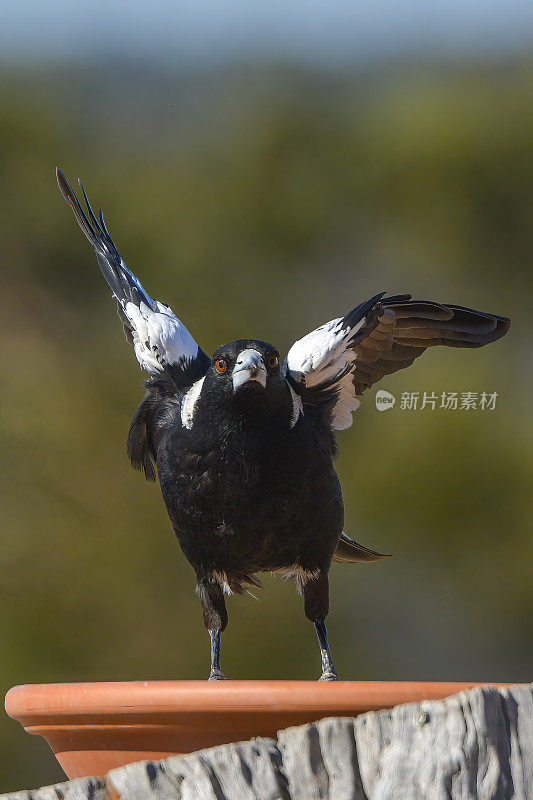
x: 255, y: 500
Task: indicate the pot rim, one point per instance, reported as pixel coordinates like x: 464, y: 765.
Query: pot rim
x: 31, y: 703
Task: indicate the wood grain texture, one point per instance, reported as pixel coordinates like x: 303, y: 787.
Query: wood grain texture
x: 475, y: 745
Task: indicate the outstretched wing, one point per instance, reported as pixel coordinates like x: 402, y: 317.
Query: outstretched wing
x: 161, y: 342
x: 330, y: 366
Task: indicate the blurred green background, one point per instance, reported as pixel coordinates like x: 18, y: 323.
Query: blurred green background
x: 262, y: 200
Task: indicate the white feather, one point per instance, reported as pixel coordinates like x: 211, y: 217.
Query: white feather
x: 297, y: 406
x: 188, y: 404
x: 323, y: 355
x: 159, y: 337
x: 308, y: 354
x: 346, y: 404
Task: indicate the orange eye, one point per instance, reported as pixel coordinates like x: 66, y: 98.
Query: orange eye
x: 273, y: 361
x: 221, y: 365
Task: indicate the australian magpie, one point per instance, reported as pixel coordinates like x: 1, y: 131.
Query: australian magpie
x: 244, y: 442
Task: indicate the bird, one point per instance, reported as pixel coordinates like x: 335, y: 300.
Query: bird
x: 243, y: 442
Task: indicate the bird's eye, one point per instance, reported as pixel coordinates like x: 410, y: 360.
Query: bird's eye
x: 273, y: 361
x: 221, y: 365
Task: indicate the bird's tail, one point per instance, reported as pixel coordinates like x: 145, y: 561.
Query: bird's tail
x: 350, y: 552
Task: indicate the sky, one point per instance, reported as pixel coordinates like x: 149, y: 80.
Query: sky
x: 329, y: 30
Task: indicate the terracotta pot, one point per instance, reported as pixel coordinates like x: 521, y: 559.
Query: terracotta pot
x: 94, y: 727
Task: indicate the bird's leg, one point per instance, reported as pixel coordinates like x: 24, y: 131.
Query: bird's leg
x: 216, y: 673
x: 215, y: 620
x: 329, y: 673
x: 316, y: 603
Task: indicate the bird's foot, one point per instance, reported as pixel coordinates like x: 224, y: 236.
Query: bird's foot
x: 329, y: 675
x: 217, y: 675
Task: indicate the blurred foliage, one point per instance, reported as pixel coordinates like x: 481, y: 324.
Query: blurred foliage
x: 263, y: 202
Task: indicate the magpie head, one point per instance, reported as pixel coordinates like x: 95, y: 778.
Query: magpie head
x: 247, y: 374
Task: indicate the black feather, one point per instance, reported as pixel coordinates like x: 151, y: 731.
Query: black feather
x: 350, y: 551
x: 356, y: 314
x: 124, y: 284
x: 142, y: 440
x: 138, y: 446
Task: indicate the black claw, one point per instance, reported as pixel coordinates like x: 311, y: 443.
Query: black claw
x: 328, y: 676
x: 217, y: 675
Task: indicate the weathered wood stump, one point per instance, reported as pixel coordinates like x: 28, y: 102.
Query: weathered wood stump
x: 477, y: 744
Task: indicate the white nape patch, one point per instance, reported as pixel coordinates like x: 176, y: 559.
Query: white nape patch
x: 297, y: 406
x: 159, y: 337
x: 188, y: 404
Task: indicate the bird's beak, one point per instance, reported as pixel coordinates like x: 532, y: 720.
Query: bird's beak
x: 249, y: 367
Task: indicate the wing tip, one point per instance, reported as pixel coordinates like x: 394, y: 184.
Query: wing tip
x: 64, y: 186
x: 359, y: 312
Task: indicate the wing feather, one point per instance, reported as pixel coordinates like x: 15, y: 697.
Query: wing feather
x: 340, y: 360
x: 161, y: 342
